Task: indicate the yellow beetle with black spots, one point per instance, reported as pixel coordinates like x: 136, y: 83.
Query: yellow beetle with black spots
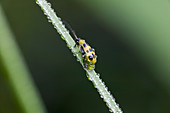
x: 88, y: 53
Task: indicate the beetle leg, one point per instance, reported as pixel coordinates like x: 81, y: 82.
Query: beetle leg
x: 84, y: 65
x: 83, y: 55
x: 77, y: 52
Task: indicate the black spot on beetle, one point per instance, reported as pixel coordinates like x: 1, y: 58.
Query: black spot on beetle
x: 91, y: 58
x: 82, y: 49
x: 84, y: 45
x: 87, y: 51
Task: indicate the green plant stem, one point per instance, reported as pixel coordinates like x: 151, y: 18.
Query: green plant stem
x: 16, y: 72
x: 92, y: 75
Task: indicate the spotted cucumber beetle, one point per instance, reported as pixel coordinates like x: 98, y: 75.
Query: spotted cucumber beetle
x: 88, y: 53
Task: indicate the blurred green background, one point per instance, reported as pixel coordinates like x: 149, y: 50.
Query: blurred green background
x: 132, y: 42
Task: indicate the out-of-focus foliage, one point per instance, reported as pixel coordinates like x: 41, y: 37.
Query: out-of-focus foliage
x: 15, y: 72
x: 131, y: 39
x: 148, y: 24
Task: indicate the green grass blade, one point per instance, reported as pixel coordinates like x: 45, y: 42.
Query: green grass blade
x: 92, y: 75
x: 16, y: 72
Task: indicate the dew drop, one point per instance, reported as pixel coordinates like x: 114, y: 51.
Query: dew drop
x: 45, y: 14
x: 89, y: 77
x: 68, y: 45
x: 59, y: 18
x: 36, y: 1
x: 78, y: 59
x: 49, y: 4
x: 49, y: 20
x: 111, y: 110
x: 60, y: 22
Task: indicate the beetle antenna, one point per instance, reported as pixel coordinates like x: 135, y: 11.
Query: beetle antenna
x: 69, y: 27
